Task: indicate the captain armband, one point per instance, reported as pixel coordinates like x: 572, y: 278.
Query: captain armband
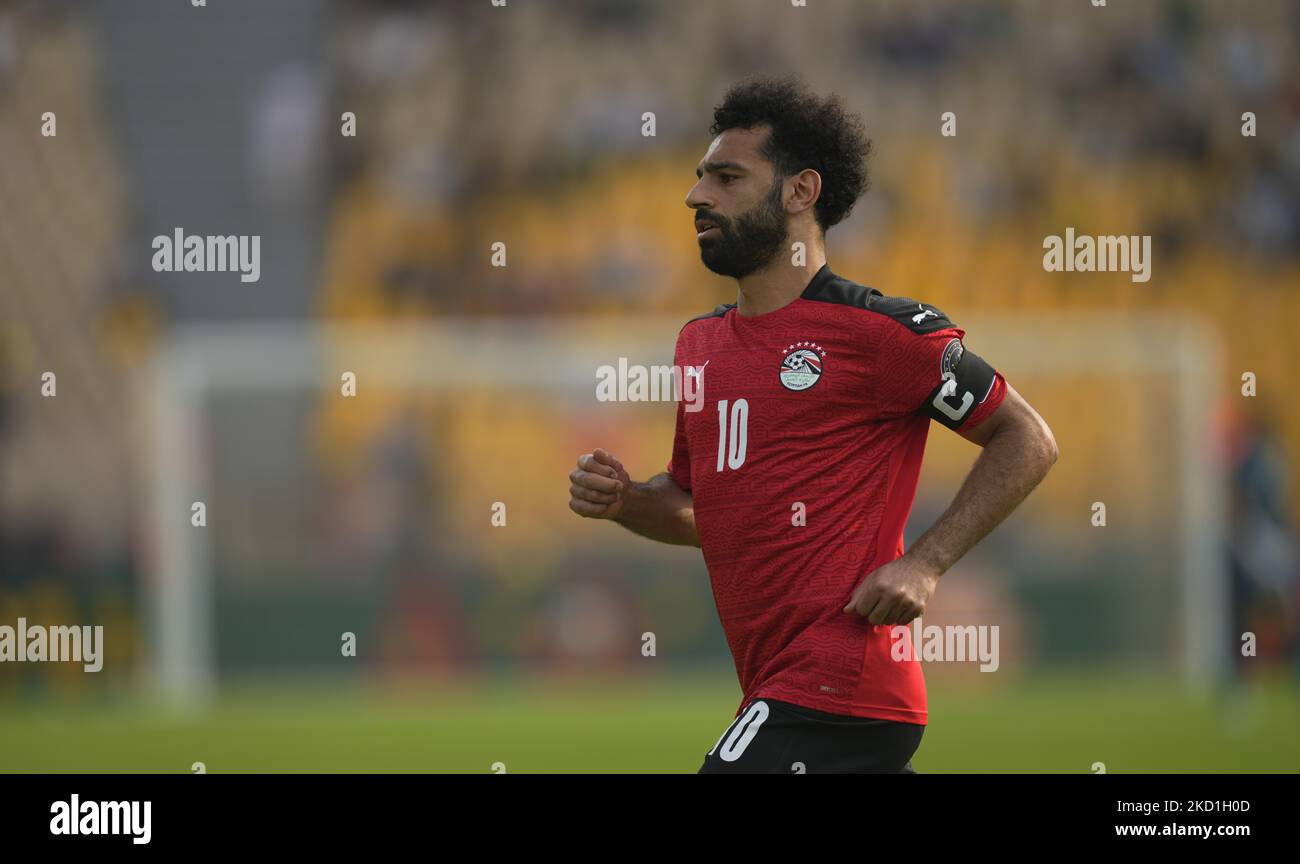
x: 967, y: 382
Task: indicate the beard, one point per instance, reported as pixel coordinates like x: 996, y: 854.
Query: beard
x: 757, y: 236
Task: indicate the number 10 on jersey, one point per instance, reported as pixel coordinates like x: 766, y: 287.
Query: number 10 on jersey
x: 731, y: 447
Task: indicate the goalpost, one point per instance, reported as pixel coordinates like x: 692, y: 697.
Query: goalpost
x: 560, y: 357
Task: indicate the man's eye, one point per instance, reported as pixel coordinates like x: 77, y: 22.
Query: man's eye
x: 726, y: 178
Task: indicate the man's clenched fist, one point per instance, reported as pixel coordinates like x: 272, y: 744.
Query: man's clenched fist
x: 598, y: 487
x: 895, y: 593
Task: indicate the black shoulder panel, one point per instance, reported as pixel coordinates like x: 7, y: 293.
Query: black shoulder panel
x: 918, y: 317
x: 830, y: 288
x: 716, y: 313
x: 914, y: 315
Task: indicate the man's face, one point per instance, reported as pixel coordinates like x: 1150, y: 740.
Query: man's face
x: 740, y: 217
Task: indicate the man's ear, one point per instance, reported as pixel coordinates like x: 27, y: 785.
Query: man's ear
x: 807, y: 188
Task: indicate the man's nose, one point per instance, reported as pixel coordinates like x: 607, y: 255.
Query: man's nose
x: 696, y: 200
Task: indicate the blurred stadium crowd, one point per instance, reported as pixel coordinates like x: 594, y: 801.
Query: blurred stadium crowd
x: 477, y: 127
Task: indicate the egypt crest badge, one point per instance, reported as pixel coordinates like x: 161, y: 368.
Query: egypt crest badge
x: 802, y: 365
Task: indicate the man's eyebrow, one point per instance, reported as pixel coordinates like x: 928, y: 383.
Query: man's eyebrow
x: 714, y: 167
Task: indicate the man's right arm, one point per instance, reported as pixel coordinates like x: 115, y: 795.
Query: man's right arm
x: 661, y: 510
x: 600, y: 488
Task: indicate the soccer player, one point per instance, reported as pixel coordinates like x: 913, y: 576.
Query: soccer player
x: 797, y: 477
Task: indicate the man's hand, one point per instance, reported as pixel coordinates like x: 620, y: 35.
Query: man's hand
x: 599, y: 486
x: 895, y: 593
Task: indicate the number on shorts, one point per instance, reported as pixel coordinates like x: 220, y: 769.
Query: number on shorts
x: 741, y: 732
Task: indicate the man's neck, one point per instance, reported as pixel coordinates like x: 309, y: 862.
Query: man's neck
x: 778, y: 284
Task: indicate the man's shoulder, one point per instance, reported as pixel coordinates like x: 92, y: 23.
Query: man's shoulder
x: 915, y: 315
x: 719, y: 312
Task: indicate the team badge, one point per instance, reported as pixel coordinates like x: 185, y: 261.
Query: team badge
x: 802, y: 365
x: 948, y: 364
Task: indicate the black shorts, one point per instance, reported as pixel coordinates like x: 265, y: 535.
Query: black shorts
x: 771, y: 736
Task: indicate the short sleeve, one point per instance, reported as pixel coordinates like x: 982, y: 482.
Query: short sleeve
x: 935, y: 374
x: 679, y: 465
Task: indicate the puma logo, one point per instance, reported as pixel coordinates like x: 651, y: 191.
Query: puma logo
x: 695, y: 372
x: 924, y: 313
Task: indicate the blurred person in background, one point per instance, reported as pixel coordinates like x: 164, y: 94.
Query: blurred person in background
x: 1262, y: 549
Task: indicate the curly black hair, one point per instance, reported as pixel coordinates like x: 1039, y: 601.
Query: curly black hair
x: 807, y: 132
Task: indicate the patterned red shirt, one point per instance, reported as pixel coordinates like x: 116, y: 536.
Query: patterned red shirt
x: 803, y: 465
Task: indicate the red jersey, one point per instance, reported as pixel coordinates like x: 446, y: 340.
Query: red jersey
x: 803, y: 465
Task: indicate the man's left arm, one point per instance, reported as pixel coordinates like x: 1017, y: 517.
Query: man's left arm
x: 1018, y: 449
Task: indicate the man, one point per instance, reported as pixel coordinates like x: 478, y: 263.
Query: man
x: 797, y: 477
